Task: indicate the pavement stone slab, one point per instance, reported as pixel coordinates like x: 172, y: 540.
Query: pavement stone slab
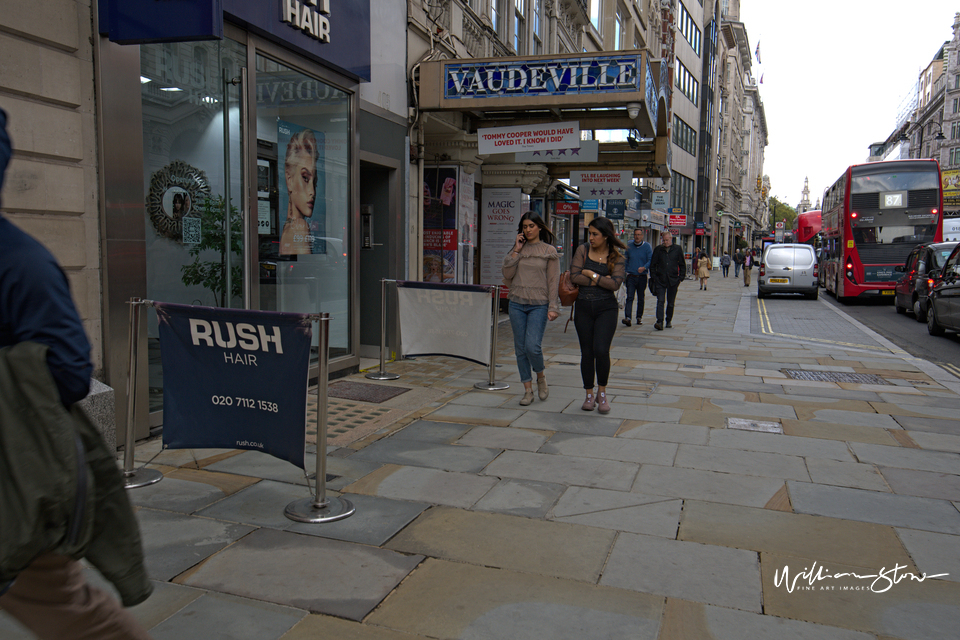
x: 801, y: 388
x: 628, y: 450
x: 430, y: 431
x: 664, y: 432
x: 316, y: 574
x: 452, y: 601
x: 846, y: 474
x: 216, y: 616
x: 261, y: 465
x: 513, y: 439
x: 315, y: 626
x: 909, y: 610
x: 688, y: 570
x: 841, y: 432
x: 710, y: 486
x: 930, y: 410
x: 585, y: 422
x: 526, y: 498
x: 564, y: 469
x: 173, y: 543
x: 375, y: 520
x: 933, y: 553
x: 260, y: 505
x: 632, y: 512
x: 483, y: 398
x: 917, y: 459
x: 776, y: 443
x: 685, y: 620
x: 419, y: 484
x: 181, y: 496
x: 871, y: 506
x: 925, y: 484
x: 936, y: 441
x: 521, y: 544
x: 854, y: 417
x: 496, y: 417
x: 751, y: 463
x: 815, y: 537
x: 447, y: 457
x: 933, y: 425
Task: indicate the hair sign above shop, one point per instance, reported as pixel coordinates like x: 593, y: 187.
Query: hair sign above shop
x: 309, y: 16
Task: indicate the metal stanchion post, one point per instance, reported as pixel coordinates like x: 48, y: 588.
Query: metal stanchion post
x: 134, y: 478
x: 381, y: 374
x: 492, y: 384
x: 320, y: 508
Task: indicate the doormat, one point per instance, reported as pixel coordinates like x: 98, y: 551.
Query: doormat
x: 363, y: 391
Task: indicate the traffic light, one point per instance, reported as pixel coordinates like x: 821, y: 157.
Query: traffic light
x: 759, y: 183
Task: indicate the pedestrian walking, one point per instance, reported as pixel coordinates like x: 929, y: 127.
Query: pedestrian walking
x: 639, y: 253
x: 667, y: 271
x: 747, y: 266
x: 725, y: 264
x: 598, y: 268
x: 737, y: 262
x: 532, y: 272
x: 703, y: 270
x: 46, y: 368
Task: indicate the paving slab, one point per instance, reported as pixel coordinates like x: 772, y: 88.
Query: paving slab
x: 917, y: 459
x: 216, y: 616
x: 776, y: 443
x: 545, y: 548
x: 565, y: 469
x: 801, y: 388
x: 909, y: 610
x: 629, y: 411
x: 685, y: 620
x: 710, y: 486
x: 527, y: 498
x: 826, y: 539
x: 452, y: 601
x: 854, y: 417
x: 925, y: 484
x: 688, y: 570
x: 629, y: 450
x: 664, y: 432
x: 260, y: 505
x: 173, y: 543
x: 423, y: 485
x: 751, y: 463
x: 846, y: 474
x: 375, y: 520
x: 316, y: 574
x: 632, y: 512
x: 935, y: 554
x: 936, y: 441
x: 585, y: 422
x: 871, y: 506
x: 483, y: 398
x: 834, y: 431
x: 261, y: 465
x: 701, y: 392
x: 934, y: 425
x: 430, y: 431
x: 930, y: 410
x: 475, y: 415
x: 181, y: 496
x: 447, y: 457
x: 514, y: 439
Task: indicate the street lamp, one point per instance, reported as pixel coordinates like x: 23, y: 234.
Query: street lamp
x: 938, y: 138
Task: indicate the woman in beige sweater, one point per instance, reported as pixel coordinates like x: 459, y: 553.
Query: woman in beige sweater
x: 532, y: 272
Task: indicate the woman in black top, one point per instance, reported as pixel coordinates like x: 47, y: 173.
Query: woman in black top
x: 598, y: 269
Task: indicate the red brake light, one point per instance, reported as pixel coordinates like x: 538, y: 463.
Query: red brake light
x: 849, y: 265
x: 929, y: 284
x: 854, y: 214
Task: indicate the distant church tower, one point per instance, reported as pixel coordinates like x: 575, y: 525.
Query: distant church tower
x: 804, y: 205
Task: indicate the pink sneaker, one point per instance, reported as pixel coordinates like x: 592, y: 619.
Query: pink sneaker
x: 589, y: 403
x: 603, y: 406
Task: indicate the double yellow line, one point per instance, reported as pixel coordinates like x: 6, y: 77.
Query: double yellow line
x: 767, y: 328
x: 952, y: 368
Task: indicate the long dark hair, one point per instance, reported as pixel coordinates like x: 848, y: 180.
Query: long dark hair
x: 545, y: 234
x: 605, y: 227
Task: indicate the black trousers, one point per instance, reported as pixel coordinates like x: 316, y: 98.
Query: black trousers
x: 635, y: 286
x: 596, y: 322
x: 666, y: 296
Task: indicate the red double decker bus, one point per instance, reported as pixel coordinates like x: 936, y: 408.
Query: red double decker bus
x: 806, y: 227
x: 872, y: 216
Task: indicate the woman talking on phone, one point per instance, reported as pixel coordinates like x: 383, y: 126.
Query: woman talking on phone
x: 532, y: 272
x: 598, y: 268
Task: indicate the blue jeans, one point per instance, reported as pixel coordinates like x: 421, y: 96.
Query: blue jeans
x: 635, y: 285
x: 529, y: 322
x: 736, y: 269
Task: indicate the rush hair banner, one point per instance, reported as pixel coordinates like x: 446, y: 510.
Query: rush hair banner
x: 234, y: 379
x: 445, y: 320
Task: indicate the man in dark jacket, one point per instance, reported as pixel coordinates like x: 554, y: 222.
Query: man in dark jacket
x: 668, y: 269
x: 50, y: 597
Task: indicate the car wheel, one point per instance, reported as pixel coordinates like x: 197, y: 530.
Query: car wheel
x: 761, y: 294
x: 933, y: 327
x: 918, y: 311
x: 896, y: 305
x: 814, y: 295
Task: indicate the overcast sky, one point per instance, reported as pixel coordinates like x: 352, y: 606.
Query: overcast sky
x: 835, y: 74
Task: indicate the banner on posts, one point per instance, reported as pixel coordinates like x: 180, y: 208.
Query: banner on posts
x: 234, y: 379
x: 445, y: 320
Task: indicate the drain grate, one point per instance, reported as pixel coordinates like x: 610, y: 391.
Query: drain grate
x: 834, y: 376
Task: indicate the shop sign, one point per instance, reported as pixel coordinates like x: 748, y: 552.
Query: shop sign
x: 567, y: 208
x: 615, y: 209
x: 309, y: 16
x: 560, y: 135
x: 595, y: 74
x: 588, y: 152
x: 603, y: 183
x: 590, y: 205
x: 701, y: 232
x: 656, y: 218
x: 676, y: 221
x: 660, y: 200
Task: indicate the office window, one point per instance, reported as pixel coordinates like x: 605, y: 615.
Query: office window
x: 684, y: 136
x: 688, y: 28
x: 618, y: 29
x: 595, y: 15
x: 956, y: 103
x: 519, y: 27
x: 537, y: 35
x: 687, y: 83
x: 497, y: 16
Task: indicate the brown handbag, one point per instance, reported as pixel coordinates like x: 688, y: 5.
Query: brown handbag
x: 568, y: 291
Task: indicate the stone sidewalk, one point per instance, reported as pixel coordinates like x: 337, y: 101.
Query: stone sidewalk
x: 723, y: 497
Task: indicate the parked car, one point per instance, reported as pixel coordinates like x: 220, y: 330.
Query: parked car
x: 788, y: 268
x: 944, y: 298
x: 920, y: 272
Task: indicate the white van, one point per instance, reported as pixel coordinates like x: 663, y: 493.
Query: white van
x: 788, y: 268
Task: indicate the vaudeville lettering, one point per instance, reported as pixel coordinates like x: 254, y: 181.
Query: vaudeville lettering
x: 620, y: 73
x: 309, y: 16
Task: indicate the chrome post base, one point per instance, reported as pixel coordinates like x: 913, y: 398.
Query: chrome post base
x: 381, y: 375
x: 491, y: 386
x: 141, y: 477
x: 306, y: 510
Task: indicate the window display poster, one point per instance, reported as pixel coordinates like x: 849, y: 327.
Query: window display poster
x: 468, y: 227
x: 440, y: 224
x: 499, y: 220
x: 302, y: 199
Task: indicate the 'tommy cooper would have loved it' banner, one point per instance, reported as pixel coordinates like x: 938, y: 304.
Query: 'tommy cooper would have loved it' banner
x: 234, y: 379
x: 445, y: 320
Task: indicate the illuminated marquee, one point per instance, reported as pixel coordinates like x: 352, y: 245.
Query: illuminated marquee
x: 308, y: 16
x: 607, y: 74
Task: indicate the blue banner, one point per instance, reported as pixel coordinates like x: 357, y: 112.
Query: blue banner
x: 234, y: 379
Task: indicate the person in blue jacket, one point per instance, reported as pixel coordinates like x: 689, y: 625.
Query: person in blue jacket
x: 51, y: 597
x: 639, y: 253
